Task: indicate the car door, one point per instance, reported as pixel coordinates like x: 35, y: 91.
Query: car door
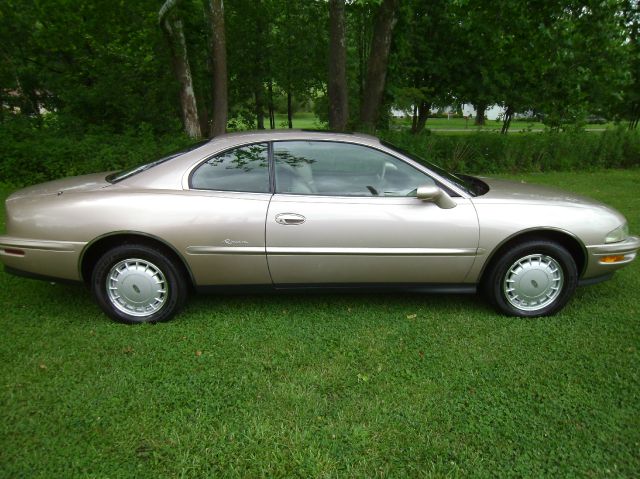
x: 223, y: 217
x: 348, y: 213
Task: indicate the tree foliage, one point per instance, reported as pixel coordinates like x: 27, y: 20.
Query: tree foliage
x: 101, y: 63
x: 85, y: 64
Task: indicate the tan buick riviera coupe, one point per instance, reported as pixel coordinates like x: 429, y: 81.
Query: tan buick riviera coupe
x: 303, y: 210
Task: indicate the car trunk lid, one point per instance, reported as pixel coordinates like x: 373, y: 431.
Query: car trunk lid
x: 90, y: 182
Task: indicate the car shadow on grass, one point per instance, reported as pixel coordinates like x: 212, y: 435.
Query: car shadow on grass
x: 336, y: 305
x: 21, y: 297
x: 27, y: 298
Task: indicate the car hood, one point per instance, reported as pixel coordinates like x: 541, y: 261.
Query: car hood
x: 94, y: 181
x: 520, y: 192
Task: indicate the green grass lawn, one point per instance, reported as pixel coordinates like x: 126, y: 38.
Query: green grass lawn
x: 327, y: 385
x: 444, y: 124
x: 301, y: 120
x: 454, y: 126
x: 462, y: 126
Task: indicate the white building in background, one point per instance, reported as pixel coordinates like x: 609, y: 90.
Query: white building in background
x: 493, y: 112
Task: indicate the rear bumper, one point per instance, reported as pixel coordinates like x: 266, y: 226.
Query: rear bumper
x: 607, y: 258
x: 44, y: 258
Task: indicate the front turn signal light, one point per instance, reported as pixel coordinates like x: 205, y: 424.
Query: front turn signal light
x: 612, y: 259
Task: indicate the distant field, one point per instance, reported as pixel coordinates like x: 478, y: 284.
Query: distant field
x: 461, y: 125
x: 326, y: 385
x: 437, y: 125
x: 301, y: 120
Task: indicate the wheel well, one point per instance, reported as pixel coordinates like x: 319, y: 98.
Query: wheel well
x: 571, y: 244
x: 102, y: 245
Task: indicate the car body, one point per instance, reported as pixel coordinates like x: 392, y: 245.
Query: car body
x: 300, y: 210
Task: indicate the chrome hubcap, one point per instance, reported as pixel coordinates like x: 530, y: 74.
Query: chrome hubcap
x: 533, y: 282
x: 137, y: 287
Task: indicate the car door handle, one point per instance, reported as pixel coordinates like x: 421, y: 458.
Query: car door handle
x: 290, y: 219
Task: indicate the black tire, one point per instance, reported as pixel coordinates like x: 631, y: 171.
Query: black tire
x: 153, y: 287
x: 513, y: 267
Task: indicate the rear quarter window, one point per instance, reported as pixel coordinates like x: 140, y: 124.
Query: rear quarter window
x: 245, y: 169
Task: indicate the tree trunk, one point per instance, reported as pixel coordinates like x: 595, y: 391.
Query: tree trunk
x: 337, y: 85
x: 480, y: 109
x: 259, y: 62
x: 30, y: 103
x: 272, y: 113
x: 203, y: 114
x: 508, y: 114
x: 259, y: 107
x: 288, y: 64
x: 362, y: 59
x: 414, y: 119
x: 377, y: 64
x: 165, y: 9
x: 423, y: 115
x: 174, y: 33
x: 289, y: 112
x: 219, y: 62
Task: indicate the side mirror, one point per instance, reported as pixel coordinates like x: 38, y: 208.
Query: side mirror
x: 435, y: 195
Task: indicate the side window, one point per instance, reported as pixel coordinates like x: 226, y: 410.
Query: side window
x: 242, y: 169
x: 342, y: 169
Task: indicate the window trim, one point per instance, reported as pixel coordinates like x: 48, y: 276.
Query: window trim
x: 272, y: 169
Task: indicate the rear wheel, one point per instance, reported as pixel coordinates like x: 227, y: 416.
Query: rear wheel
x: 138, y: 284
x: 534, y: 278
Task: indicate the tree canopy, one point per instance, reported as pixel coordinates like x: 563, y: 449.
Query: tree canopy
x: 86, y: 63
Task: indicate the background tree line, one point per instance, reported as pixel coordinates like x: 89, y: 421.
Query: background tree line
x: 204, y: 66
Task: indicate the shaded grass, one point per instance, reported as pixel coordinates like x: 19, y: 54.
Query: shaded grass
x: 326, y: 385
x: 302, y: 120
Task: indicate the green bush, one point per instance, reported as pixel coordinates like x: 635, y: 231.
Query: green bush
x: 30, y: 154
x: 485, y: 152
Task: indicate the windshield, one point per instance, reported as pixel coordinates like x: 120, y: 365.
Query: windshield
x: 121, y: 175
x: 461, y: 181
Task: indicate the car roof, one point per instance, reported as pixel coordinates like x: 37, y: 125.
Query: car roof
x: 290, y: 134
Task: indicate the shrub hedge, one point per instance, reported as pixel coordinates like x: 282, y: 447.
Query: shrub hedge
x: 32, y: 155
x: 485, y: 152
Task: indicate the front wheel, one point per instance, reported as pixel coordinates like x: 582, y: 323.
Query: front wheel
x: 534, y: 278
x: 138, y: 284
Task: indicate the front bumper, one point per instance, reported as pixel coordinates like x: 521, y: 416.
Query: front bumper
x: 607, y: 258
x: 52, y: 259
